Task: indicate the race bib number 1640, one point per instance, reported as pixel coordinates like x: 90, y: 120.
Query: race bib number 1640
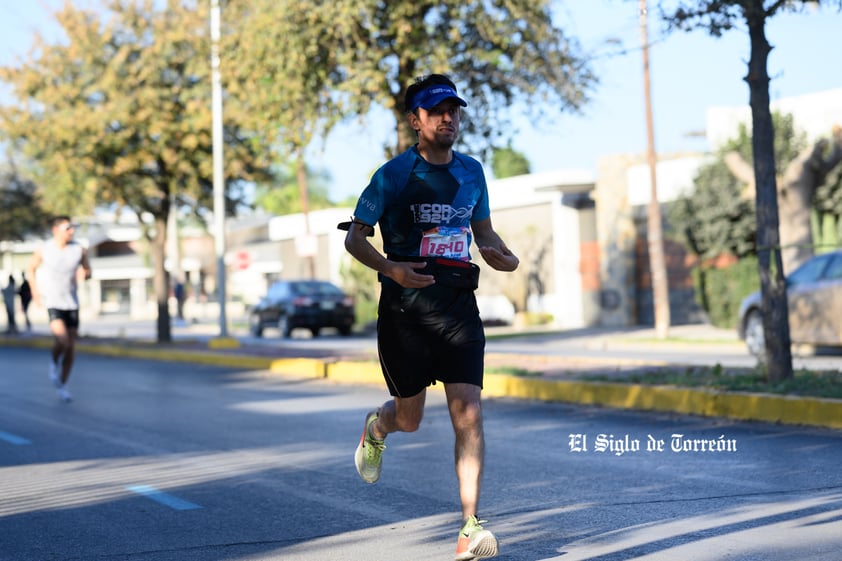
x: 450, y: 243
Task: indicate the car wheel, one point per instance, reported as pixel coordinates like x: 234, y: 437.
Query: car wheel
x: 314, y: 331
x: 284, y: 327
x: 345, y: 330
x: 754, y: 336
x: 255, y: 326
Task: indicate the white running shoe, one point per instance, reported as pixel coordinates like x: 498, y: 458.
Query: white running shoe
x: 55, y: 374
x: 64, y: 395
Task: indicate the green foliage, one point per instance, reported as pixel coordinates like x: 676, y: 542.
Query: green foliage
x: 789, y: 142
x: 720, y: 290
x: 719, y: 16
x: 281, y: 67
x: 282, y: 195
x: 333, y: 60
x: 117, y: 113
x: 21, y: 209
x: 718, y: 217
x: 508, y: 162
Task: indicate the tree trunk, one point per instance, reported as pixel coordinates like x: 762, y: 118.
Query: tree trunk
x: 406, y: 136
x: 800, y: 182
x: 772, y: 284
x: 161, y: 279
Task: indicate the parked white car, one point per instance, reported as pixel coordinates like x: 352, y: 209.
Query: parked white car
x: 814, y: 295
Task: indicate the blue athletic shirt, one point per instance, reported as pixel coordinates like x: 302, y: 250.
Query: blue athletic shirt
x: 425, y: 209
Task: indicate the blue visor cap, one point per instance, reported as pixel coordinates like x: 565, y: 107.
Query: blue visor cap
x: 431, y: 96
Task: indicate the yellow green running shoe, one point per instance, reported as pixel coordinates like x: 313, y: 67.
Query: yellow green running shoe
x: 369, y: 454
x: 475, y: 542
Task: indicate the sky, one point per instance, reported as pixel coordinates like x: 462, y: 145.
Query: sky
x: 689, y: 72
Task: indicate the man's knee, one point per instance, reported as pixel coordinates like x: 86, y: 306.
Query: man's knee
x: 467, y: 414
x: 408, y: 421
x: 62, y: 340
x: 465, y: 408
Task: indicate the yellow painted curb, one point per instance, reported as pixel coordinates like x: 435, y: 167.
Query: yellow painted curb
x: 355, y: 372
x: 743, y: 406
x: 176, y: 355
x: 308, y: 367
x: 223, y: 343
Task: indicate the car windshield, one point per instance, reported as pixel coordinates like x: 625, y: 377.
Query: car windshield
x: 811, y: 271
x: 315, y: 289
x: 834, y: 270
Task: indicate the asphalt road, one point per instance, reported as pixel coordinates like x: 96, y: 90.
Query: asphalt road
x: 168, y: 462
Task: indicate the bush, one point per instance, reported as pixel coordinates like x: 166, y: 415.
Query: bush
x: 720, y: 290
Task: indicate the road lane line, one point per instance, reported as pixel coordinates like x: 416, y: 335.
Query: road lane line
x: 164, y: 498
x: 13, y: 439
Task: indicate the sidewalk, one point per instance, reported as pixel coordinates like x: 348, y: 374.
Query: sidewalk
x: 551, y: 378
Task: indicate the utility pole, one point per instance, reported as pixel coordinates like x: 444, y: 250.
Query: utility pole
x: 218, y: 168
x: 657, y: 261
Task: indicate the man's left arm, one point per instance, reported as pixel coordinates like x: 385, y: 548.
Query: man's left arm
x: 85, y: 265
x: 492, y: 248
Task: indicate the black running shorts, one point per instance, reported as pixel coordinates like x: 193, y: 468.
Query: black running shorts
x: 69, y: 317
x: 428, y: 334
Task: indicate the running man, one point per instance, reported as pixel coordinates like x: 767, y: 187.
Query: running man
x: 431, y: 203
x: 62, y: 262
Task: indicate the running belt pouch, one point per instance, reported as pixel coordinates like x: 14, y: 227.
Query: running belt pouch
x: 453, y: 273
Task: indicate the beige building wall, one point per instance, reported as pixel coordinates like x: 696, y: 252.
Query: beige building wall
x: 616, y: 237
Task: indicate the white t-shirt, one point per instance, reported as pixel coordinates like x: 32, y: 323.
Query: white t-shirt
x: 57, y: 275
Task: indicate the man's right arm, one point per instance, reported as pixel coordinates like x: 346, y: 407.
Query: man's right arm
x: 31, y: 275
x: 401, y: 272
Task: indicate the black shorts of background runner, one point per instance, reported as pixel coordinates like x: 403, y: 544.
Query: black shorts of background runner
x: 69, y: 317
x: 429, y: 334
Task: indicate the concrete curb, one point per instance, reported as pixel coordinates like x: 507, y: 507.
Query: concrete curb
x: 796, y: 410
x: 770, y: 408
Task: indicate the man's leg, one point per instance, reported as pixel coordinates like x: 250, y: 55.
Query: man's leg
x: 402, y: 414
x: 61, y: 342
x: 69, y: 354
x: 397, y: 414
x: 463, y: 401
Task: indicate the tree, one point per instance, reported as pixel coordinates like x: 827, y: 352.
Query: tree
x: 118, y: 113
x: 717, y: 217
x: 356, y: 54
x: 291, y: 48
x: 798, y: 187
x: 281, y: 196
x: 508, y: 162
x: 718, y: 16
x: 718, y: 224
x: 328, y: 61
x: 21, y: 209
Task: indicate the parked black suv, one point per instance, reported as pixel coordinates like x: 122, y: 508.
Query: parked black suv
x: 309, y: 304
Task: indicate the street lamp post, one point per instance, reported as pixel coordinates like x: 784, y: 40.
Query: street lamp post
x: 218, y: 168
